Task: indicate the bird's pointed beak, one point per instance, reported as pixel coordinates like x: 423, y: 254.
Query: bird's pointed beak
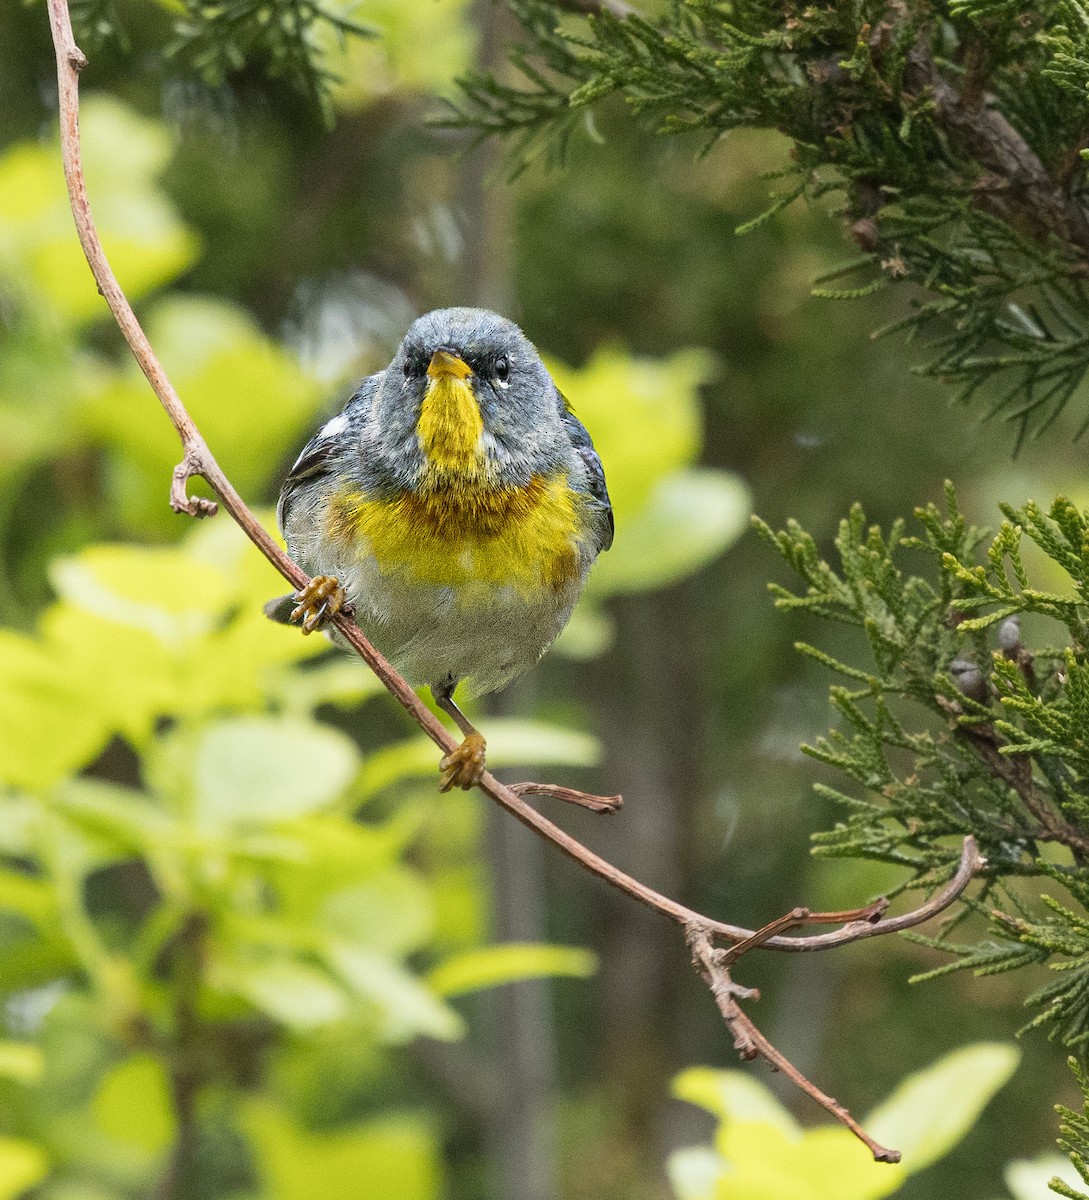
x: 445, y: 363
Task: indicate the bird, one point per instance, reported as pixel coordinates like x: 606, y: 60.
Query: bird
x: 454, y: 509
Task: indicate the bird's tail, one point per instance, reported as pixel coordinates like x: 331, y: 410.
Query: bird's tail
x: 280, y: 608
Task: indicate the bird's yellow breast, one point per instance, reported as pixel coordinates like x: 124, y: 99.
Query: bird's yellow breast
x: 473, y: 539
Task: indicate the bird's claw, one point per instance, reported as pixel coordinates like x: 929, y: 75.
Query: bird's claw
x: 318, y: 603
x: 464, y: 766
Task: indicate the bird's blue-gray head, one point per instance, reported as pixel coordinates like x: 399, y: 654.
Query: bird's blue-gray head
x: 467, y: 397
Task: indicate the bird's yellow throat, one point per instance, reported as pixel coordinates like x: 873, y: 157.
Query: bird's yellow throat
x: 450, y: 425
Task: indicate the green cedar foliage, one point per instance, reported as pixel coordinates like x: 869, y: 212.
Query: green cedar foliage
x: 956, y: 726
x: 949, y: 134
x: 950, y: 138
x: 289, y: 40
x: 1075, y: 1137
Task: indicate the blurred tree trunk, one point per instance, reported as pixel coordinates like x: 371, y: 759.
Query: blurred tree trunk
x: 520, y: 1129
x: 653, y: 725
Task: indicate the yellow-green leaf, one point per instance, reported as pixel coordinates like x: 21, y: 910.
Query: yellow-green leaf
x: 391, y: 912
x: 405, y: 1007
x: 394, y: 1158
x: 261, y: 770
x: 300, y: 996
x: 140, y: 231
x: 21, y: 1061
x: 933, y: 1109
x: 643, y: 414
x: 270, y: 406
x: 22, y: 1165
x: 49, y: 723
x: 162, y: 591
x: 490, y: 966
x: 733, y: 1096
x: 689, y: 519
x: 133, y: 1104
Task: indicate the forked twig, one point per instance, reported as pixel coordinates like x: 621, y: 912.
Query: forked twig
x: 197, y: 460
x: 749, y: 1042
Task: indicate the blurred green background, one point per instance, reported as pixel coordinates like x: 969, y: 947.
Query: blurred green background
x: 246, y: 949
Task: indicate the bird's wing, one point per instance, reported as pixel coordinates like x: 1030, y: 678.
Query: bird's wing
x: 338, y: 435
x: 595, y: 474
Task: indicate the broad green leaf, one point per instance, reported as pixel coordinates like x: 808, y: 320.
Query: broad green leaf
x: 1028, y: 1178
x: 933, y: 1109
x: 644, y: 417
x: 265, y: 769
x: 342, y: 681
x: 589, y: 633
x: 392, y: 912
x: 419, y: 48
x: 270, y: 406
x: 69, y: 1189
x: 22, y: 1165
x: 490, y: 966
x: 133, y: 1104
x: 143, y: 238
x: 162, y: 591
x: 120, y: 815
x: 406, y: 1008
x: 300, y: 996
x: 33, y: 898
x: 733, y: 1096
x: 241, y: 663
x: 689, y: 518
x: 223, y: 546
x: 693, y: 1172
x: 510, y: 743
x: 49, y: 724
x: 41, y: 386
x: 761, y: 1152
x: 337, y: 854
x: 395, y: 1158
x: 21, y: 1061
x: 20, y: 824
x: 827, y: 1163
x: 131, y: 677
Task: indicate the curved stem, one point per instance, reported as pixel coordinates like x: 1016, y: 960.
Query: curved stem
x: 197, y: 459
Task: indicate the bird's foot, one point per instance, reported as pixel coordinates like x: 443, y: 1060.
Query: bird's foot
x: 318, y: 603
x: 464, y: 766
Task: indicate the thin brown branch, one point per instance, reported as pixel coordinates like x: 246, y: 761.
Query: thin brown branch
x: 869, y: 915
x: 750, y: 1043
x: 598, y: 804
x: 180, y: 500
x: 1020, y: 189
x: 1015, y: 770
x: 197, y: 460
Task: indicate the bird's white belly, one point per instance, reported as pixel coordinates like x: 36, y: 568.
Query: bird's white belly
x: 433, y: 634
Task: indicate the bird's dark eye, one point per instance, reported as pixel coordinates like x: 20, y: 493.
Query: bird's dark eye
x: 502, y: 369
x: 408, y: 368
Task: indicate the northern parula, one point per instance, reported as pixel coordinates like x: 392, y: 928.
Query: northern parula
x: 457, y: 504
